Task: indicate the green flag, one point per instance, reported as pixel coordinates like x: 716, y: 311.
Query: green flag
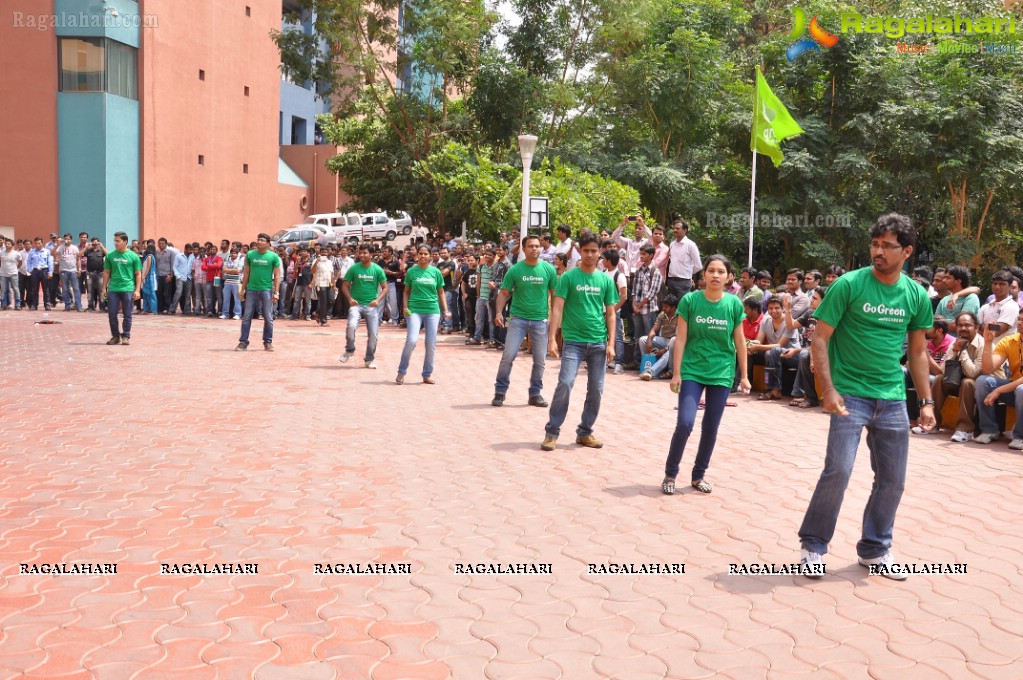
x: 771, y: 123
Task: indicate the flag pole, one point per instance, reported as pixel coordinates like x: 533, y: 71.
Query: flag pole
x: 752, y: 203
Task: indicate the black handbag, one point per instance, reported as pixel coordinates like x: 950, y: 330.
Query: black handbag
x: 952, y: 376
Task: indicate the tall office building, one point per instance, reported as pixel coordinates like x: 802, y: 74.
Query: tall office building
x: 157, y: 117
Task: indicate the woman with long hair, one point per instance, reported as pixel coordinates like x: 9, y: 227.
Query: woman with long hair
x: 708, y: 341
x: 149, y: 278
x: 424, y: 300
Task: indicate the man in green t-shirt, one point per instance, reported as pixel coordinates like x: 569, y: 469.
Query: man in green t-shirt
x: 862, y: 324
x: 584, y: 310
x: 122, y: 279
x: 260, y: 282
x: 365, y: 287
x: 529, y: 283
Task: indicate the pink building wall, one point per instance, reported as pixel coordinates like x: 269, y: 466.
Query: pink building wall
x: 28, y: 121
x: 184, y: 117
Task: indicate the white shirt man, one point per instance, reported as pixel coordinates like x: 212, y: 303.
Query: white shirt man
x: 683, y: 260
x: 565, y: 245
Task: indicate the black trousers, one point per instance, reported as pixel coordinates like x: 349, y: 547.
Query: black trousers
x: 39, y: 279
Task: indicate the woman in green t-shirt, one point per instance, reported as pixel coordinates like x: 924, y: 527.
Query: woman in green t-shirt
x: 710, y: 337
x: 424, y: 300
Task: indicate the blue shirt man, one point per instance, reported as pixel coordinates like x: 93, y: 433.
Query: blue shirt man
x: 40, y: 258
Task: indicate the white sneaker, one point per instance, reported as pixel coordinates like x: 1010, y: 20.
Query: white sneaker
x: 222, y: 316
x: 986, y: 438
x: 236, y: 317
x: 371, y: 364
x: 345, y: 356
x: 920, y: 430
x: 810, y: 561
x: 961, y: 436
x: 889, y: 567
x: 1016, y: 445
x: 619, y: 369
x: 646, y: 375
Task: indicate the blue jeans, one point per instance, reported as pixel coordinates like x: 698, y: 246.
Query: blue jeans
x: 372, y: 317
x: 518, y: 329
x: 483, y: 316
x: 263, y: 299
x: 392, y: 302
x: 11, y: 292
x: 412, y: 323
x: 662, y: 364
x: 775, y: 365
x: 455, y: 305
x: 573, y: 354
x: 887, y: 425
x: 119, y: 302
x: 641, y: 325
x: 688, y: 402
x: 988, y: 420
x: 232, y: 306
x: 619, y: 339
x: 70, y: 286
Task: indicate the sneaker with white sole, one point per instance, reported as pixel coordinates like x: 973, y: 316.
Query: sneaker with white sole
x: 345, y: 356
x: 811, y: 564
x: 646, y: 375
x: 886, y: 566
x: 371, y: 364
x: 961, y: 436
x: 986, y: 437
x: 919, y: 430
x: 1016, y: 444
x: 619, y: 369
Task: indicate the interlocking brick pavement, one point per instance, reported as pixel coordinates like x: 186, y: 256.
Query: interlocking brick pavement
x: 178, y: 449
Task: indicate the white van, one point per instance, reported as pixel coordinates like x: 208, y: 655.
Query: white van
x: 379, y: 225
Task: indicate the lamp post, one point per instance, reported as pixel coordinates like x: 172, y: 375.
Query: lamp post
x: 527, y: 144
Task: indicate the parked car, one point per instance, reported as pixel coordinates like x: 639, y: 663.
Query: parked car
x: 379, y: 225
x: 350, y: 231
x: 403, y: 221
x: 307, y: 235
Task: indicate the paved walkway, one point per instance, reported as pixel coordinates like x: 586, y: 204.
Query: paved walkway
x: 178, y: 450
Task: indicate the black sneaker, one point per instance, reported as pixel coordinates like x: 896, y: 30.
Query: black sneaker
x: 538, y: 400
x: 498, y: 400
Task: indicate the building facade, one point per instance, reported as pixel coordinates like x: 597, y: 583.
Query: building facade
x: 157, y: 118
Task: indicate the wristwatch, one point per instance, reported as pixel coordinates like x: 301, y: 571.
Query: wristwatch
x: 926, y: 402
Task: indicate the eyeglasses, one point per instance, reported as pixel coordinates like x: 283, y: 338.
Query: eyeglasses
x: 885, y: 246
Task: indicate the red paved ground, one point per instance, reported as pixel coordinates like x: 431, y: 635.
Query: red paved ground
x: 178, y: 449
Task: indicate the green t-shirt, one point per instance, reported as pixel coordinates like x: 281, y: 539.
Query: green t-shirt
x: 261, y: 269
x: 424, y: 283
x: 122, y: 267
x: 585, y: 296
x: 365, y: 281
x: 970, y: 303
x: 486, y: 273
x: 709, y: 356
x: 529, y: 287
x: 871, y: 320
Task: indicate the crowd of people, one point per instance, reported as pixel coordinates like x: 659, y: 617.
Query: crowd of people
x: 618, y: 301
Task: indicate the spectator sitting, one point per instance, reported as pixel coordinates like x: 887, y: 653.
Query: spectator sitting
x: 748, y: 285
x: 938, y: 341
x: 831, y: 273
x: 968, y: 349
x: 805, y: 387
x: 661, y: 339
x: 992, y: 389
x: 774, y: 339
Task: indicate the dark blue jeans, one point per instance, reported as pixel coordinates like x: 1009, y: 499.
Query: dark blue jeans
x: 887, y: 426
x: 688, y: 401
x: 119, y: 302
x: 263, y: 299
x: 573, y: 354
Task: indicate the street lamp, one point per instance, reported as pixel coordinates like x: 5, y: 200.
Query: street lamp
x: 527, y: 144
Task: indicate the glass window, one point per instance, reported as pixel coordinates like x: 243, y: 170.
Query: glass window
x: 82, y: 65
x: 98, y: 65
x: 122, y: 76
